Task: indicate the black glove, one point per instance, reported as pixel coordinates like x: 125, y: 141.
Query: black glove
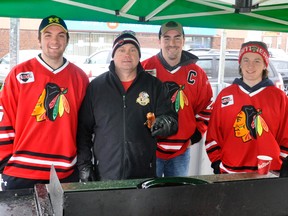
x: 87, y: 174
x: 216, y: 167
x: 164, y: 126
x: 3, y: 163
x: 284, y: 168
x: 196, y: 137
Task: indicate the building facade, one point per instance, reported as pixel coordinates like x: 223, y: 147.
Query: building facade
x: 88, y: 37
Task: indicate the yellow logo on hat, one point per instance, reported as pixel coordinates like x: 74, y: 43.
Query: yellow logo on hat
x: 54, y: 20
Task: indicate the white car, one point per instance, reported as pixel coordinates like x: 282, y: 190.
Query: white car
x: 281, y: 65
x: 98, y: 62
x: 23, y: 55
x: 277, y: 53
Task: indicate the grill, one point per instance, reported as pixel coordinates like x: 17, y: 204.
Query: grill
x: 226, y: 194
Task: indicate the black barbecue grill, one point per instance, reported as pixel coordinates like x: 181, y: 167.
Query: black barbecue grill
x: 226, y: 194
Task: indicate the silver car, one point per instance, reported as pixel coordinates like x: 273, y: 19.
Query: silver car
x: 281, y: 65
x: 98, y: 62
x: 210, y: 63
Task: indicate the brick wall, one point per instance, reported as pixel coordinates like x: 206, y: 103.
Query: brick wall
x: 231, y: 43
x: 28, y: 40
x: 148, y: 40
x: 4, y: 42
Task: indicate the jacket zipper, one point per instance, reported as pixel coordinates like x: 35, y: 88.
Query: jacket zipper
x: 124, y: 136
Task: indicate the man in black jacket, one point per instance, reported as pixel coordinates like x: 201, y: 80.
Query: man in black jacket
x: 114, y: 140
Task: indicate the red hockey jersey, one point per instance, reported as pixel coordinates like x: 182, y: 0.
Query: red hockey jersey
x: 191, y: 94
x: 245, y: 124
x: 38, y: 119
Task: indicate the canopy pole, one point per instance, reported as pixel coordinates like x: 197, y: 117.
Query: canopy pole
x: 14, y: 41
x: 222, y: 61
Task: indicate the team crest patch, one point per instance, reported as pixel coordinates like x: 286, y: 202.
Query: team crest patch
x: 227, y: 101
x: 143, y: 99
x: 25, y: 77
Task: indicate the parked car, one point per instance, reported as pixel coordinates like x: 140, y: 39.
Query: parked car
x: 98, y: 62
x: 277, y: 53
x: 23, y: 55
x: 281, y: 66
x: 210, y: 63
x: 213, y: 51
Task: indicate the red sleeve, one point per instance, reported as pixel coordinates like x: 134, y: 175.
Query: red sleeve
x: 282, y: 137
x: 205, y: 102
x: 8, y: 104
x: 213, y: 137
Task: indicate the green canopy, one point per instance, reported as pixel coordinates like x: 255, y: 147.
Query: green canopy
x: 267, y: 15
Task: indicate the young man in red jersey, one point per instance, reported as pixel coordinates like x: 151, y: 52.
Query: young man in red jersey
x: 249, y: 117
x: 39, y: 113
x: 191, y: 94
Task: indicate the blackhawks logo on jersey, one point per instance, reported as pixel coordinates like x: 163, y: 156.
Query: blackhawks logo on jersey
x: 249, y: 123
x: 51, y: 103
x: 178, y: 97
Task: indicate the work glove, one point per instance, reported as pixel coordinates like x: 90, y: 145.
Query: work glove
x: 87, y: 174
x: 164, y: 126
x: 284, y: 168
x: 216, y: 167
x: 196, y: 137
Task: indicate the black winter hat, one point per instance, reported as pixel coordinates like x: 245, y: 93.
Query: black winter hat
x: 124, y: 38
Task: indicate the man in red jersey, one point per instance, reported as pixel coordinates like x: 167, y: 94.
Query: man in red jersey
x: 39, y: 113
x: 191, y: 94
